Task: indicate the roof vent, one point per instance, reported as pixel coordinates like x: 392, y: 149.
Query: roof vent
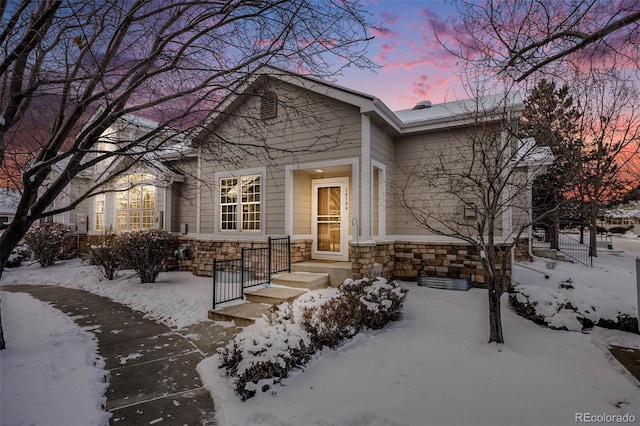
x: 422, y: 105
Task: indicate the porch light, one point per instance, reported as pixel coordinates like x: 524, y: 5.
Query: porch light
x: 319, y: 170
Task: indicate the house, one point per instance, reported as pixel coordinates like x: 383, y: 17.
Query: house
x: 9, y: 199
x: 290, y: 155
x: 622, y: 216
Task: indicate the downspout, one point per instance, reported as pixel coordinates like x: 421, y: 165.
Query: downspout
x: 198, y: 190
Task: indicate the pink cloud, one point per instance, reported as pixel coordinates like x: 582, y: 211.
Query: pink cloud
x: 425, y: 85
x: 389, y: 18
x: 383, y: 32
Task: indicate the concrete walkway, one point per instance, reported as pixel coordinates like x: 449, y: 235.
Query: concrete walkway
x: 151, y: 367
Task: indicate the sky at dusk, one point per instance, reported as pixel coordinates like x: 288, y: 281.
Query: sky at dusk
x: 413, y: 65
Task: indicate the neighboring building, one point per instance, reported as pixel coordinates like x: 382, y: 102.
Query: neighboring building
x: 326, y: 180
x: 623, y: 215
x: 9, y: 199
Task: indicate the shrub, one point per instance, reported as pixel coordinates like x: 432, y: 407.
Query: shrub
x: 288, y: 335
x: 106, y: 256
x: 18, y: 254
x: 145, y: 251
x: 381, y: 302
x: 46, y: 242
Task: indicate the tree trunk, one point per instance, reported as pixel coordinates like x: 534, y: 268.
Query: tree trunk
x: 593, y: 234
x: 2, y: 342
x: 8, y: 241
x: 495, y: 319
x: 555, y: 231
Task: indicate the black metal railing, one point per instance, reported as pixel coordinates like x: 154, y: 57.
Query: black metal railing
x: 279, y: 255
x: 575, y: 249
x: 567, y: 245
x: 254, y: 267
x: 227, y: 280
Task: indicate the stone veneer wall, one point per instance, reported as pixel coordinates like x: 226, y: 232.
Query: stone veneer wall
x: 202, y: 252
x: 399, y: 260
x: 521, y: 250
x: 447, y: 260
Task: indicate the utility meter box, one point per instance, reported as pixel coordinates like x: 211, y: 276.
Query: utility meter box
x: 81, y: 224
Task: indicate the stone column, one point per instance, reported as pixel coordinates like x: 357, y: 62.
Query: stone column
x: 362, y: 260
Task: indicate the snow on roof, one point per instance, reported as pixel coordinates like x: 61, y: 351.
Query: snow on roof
x: 484, y: 104
x: 625, y: 211
x: 9, y: 200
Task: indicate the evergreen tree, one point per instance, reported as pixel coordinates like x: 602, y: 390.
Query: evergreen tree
x: 550, y: 118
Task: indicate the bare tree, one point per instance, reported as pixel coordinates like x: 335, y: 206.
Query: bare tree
x: 71, y: 69
x: 521, y: 38
x: 476, y: 188
x: 608, y: 133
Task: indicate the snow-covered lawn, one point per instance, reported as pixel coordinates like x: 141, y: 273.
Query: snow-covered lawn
x: 606, y: 291
x: 51, y: 374
x: 433, y: 367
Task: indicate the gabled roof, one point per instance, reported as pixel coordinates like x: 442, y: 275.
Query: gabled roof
x: 174, y: 148
x: 404, y: 121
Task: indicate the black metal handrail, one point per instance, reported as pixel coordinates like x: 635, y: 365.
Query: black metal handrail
x: 227, y: 280
x: 566, y: 244
x: 254, y: 267
x: 575, y: 249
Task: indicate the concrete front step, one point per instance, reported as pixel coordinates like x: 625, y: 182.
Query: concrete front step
x: 308, y: 280
x: 272, y: 295
x: 243, y: 314
x: 338, y: 271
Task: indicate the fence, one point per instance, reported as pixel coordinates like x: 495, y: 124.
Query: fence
x: 254, y: 267
x: 568, y: 245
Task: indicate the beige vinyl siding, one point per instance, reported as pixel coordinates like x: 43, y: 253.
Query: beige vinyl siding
x: 302, y: 203
x: 521, y: 214
x: 383, y: 150
x: 184, y: 205
x: 308, y: 128
x: 453, y: 149
x: 414, y: 152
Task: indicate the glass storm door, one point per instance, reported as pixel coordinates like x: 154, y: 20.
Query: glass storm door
x: 330, y: 215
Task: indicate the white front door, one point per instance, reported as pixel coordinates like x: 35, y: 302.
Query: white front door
x: 330, y: 210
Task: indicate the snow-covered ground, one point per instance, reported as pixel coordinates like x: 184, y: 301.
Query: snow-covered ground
x: 51, y: 374
x: 433, y: 367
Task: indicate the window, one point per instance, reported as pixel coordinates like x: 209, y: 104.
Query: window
x: 135, y: 206
x: 98, y: 212
x: 240, y: 206
x: 268, y: 106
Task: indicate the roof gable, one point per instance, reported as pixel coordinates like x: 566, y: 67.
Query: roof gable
x: 436, y: 116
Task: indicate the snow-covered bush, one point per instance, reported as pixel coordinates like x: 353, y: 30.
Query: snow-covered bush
x: 381, y: 301
x: 106, y: 255
x: 263, y: 354
x: 145, y: 251
x: 46, y: 241
x: 289, y: 334
x: 18, y: 254
x: 565, y: 309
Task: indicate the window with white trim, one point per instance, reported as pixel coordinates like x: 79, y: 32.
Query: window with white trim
x: 98, y: 212
x: 135, y: 206
x: 240, y: 203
